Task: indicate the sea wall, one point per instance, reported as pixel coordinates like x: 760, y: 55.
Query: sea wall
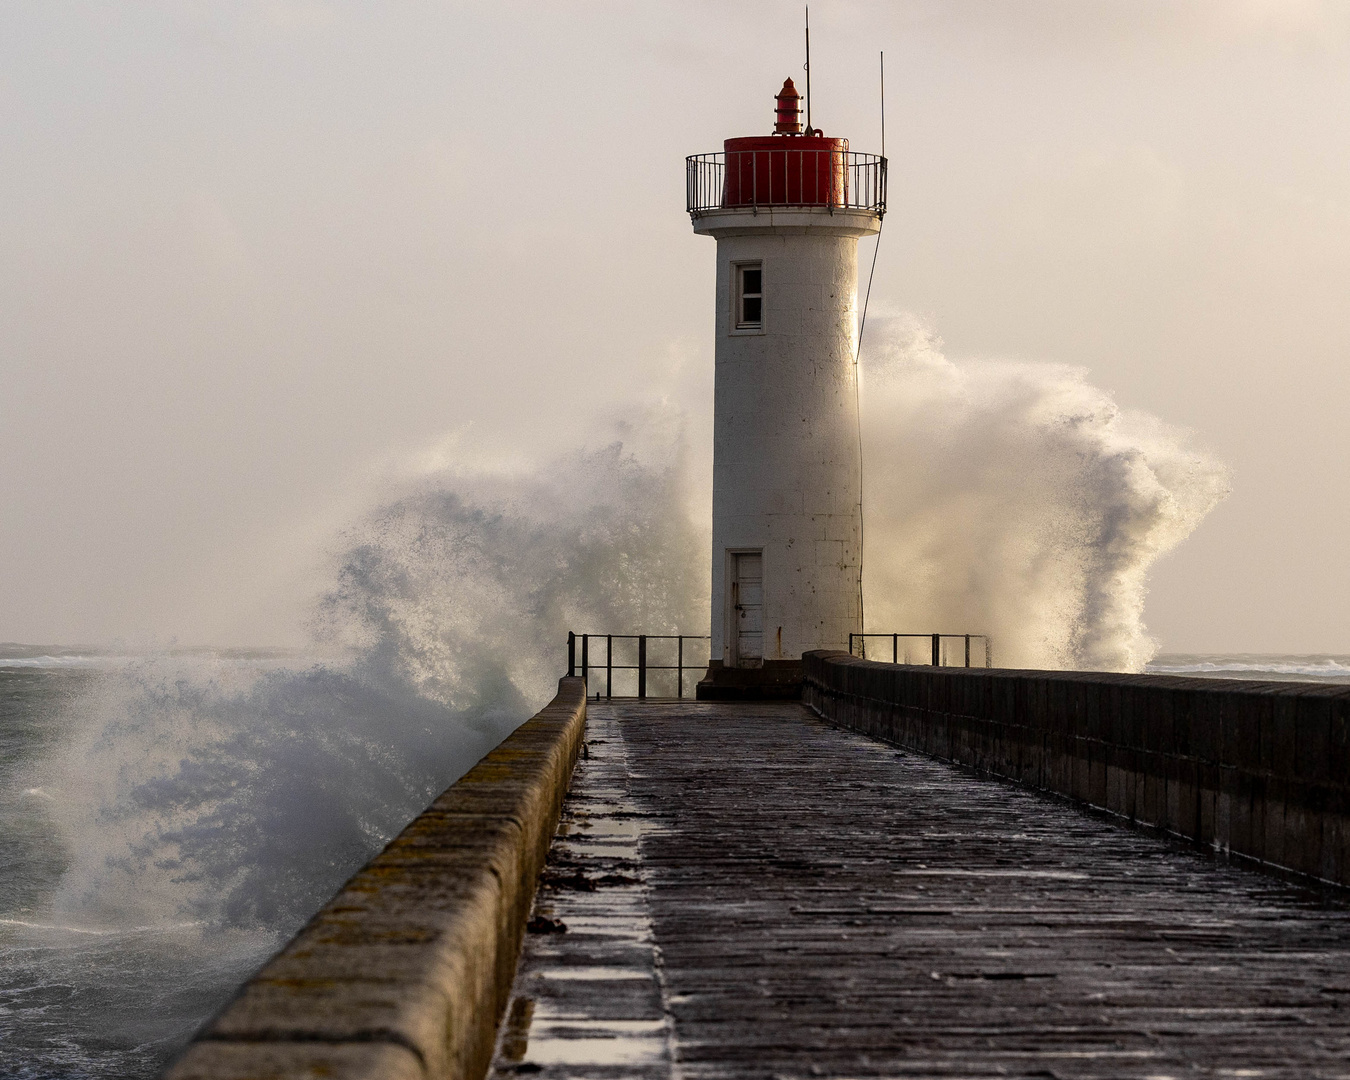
x: 1257, y: 770
x: 404, y: 974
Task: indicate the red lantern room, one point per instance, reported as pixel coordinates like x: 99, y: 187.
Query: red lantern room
x: 791, y: 168
x: 787, y: 168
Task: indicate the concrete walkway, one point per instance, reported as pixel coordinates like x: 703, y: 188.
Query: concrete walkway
x: 748, y: 892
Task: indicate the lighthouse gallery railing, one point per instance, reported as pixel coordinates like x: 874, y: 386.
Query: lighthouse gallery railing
x: 694, y: 662
x: 750, y: 179
x: 937, y: 650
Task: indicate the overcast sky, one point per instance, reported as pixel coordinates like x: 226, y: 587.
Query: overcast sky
x: 256, y: 255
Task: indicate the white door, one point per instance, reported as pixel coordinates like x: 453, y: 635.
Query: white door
x: 747, y: 596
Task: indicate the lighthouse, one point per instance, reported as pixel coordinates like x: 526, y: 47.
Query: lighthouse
x: 787, y: 210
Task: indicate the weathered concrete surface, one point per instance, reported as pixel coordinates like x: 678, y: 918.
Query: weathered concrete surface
x: 1258, y: 770
x: 822, y: 904
x: 404, y: 973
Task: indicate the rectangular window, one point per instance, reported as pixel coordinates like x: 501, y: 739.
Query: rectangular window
x: 749, y: 296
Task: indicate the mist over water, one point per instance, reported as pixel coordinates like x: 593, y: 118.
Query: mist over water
x: 1018, y: 500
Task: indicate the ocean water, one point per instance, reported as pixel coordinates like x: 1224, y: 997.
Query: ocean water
x: 1257, y: 667
x: 90, y: 986
x: 78, y: 996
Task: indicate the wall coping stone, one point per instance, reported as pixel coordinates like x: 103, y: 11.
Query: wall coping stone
x: 1258, y: 770
x: 404, y: 974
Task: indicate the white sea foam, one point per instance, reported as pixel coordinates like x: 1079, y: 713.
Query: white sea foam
x: 92, y: 931
x: 249, y: 659
x: 1321, y: 669
x: 56, y: 662
x: 27, y: 925
x: 1017, y: 500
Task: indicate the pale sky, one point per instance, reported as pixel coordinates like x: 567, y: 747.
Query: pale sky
x: 258, y: 256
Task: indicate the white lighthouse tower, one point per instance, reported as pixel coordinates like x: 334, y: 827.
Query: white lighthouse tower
x: 787, y: 210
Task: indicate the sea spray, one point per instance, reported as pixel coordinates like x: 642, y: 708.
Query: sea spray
x: 198, y: 791
x: 207, y: 807
x: 466, y: 587
x: 1016, y: 499
x: 225, y: 798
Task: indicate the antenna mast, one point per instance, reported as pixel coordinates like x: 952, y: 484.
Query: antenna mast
x: 809, y: 129
x: 883, y: 104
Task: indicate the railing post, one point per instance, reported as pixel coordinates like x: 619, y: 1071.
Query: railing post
x: 586, y: 657
x: 609, y: 665
x: 937, y: 650
x: 571, y: 654
x: 642, y: 665
x: 679, y: 666
x: 967, y: 650
x: 895, y: 648
x: 850, y: 643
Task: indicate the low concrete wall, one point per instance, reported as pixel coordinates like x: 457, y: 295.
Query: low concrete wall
x: 1258, y: 770
x: 404, y: 974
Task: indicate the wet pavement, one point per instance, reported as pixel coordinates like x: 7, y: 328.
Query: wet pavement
x: 741, y: 890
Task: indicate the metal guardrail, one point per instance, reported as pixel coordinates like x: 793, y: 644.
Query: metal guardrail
x: 750, y: 179
x: 936, y: 646
x: 642, y: 667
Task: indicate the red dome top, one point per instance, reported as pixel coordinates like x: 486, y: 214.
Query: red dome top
x: 789, y: 111
x: 796, y: 170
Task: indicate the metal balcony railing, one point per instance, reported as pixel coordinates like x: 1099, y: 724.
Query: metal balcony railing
x: 937, y: 650
x: 685, y: 660
x: 750, y: 179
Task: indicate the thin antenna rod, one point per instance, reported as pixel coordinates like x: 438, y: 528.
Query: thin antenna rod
x: 808, y: 70
x: 883, y: 104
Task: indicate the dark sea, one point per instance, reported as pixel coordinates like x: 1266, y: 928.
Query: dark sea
x: 166, y: 823
x: 1258, y: 667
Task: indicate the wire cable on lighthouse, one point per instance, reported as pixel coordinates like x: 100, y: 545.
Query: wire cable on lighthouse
x: 857, y: 389
x: 857, y: 409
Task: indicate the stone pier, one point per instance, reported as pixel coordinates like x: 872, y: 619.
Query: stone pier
x: 743, y: 890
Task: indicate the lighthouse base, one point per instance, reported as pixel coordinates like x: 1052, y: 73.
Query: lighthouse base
x: 776, y: 680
